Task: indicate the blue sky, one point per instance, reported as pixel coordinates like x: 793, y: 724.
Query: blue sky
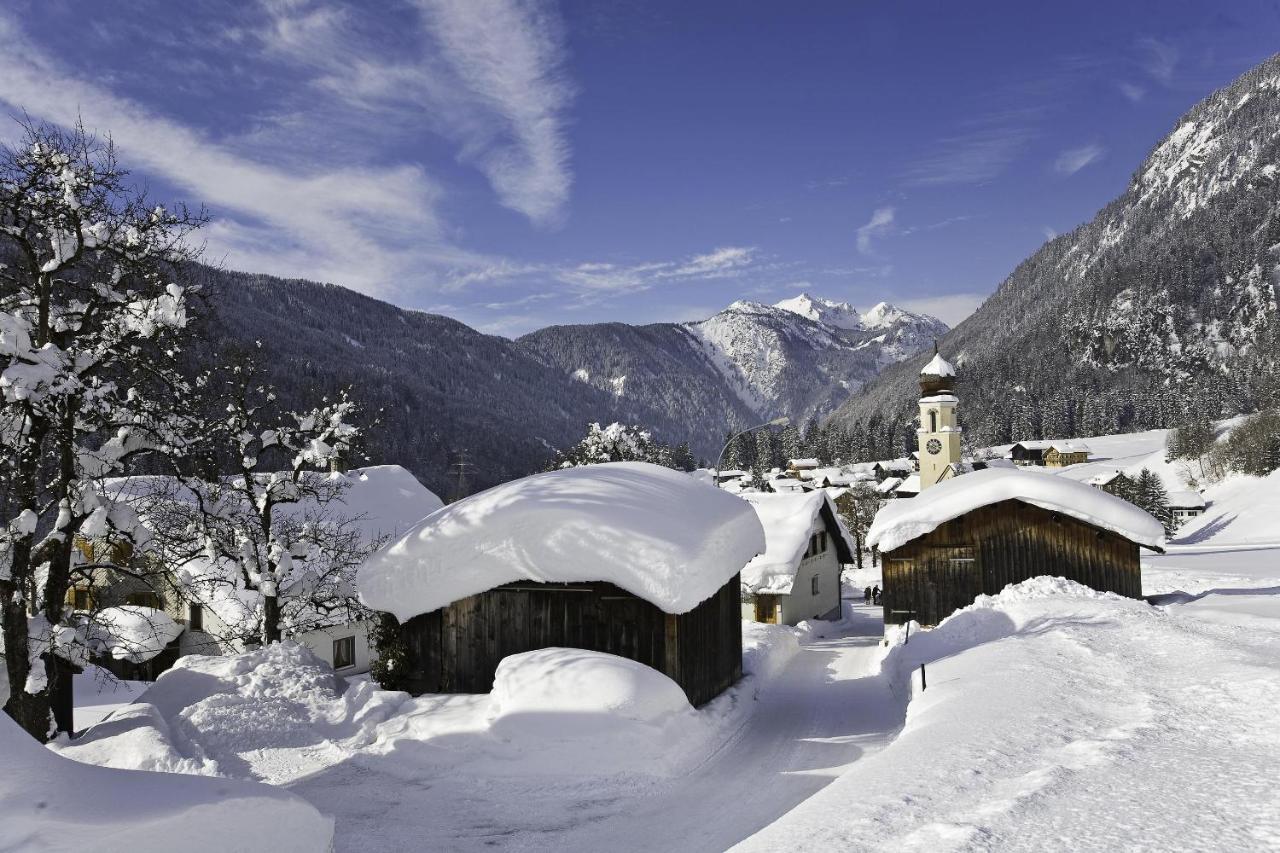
x: 516, y: 164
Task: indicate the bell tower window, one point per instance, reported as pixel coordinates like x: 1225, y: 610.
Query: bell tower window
x: 933, y: 421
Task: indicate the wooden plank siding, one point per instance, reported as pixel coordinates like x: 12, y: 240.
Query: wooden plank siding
x: 1007, y: 542
x: 457, y: 649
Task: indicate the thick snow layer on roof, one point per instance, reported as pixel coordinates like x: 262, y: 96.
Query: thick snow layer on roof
x: 901, y: 521
x: 1186, y: 500
x: 657, y: 533
x: 48, y: 802
x: 938, y: 366
x: 788, y: 519
x: 132, y: 632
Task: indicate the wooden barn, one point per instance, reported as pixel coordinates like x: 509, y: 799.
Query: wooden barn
x: 1050, y: 454
x: 629, y: 559
x: 980, y: 532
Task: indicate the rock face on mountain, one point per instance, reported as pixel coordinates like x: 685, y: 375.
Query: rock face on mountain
x: 750, y: 362
x: 1165, y: 302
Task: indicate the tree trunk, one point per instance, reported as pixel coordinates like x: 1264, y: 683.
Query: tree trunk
x: 270, y: 620
x: 27, y: 710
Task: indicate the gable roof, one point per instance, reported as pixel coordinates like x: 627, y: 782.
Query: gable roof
x: 787, y: 520
x: 899, y: 522
x: 660, y: 534
x: 1060, y: 446
x: 1186, y: 500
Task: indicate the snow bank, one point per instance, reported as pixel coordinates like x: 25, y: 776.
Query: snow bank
x: 206, y: 714
x: 657, y: 533
x: 788, y: 520
x: 48, y: 803
x: 534, y: 691
x: 903, y: 520
x: 1058, y: 717
x: 132, y: 632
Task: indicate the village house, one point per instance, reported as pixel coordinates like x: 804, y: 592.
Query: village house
x: 1186, y: 505
x: 798, y: 575
x: 382, y: 501
x: 626, y: 558
x: 1050, y: 454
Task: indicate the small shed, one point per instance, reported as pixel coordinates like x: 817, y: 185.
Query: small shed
x: 627, y: 558
x: 798, y: 575
x: 978, y: 533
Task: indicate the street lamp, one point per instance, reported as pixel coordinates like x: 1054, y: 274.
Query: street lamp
x: 776, y: 422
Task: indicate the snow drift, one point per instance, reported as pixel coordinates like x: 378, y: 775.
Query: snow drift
x: 900, y: 521
x: 657, y: 533
x: 48, y: 803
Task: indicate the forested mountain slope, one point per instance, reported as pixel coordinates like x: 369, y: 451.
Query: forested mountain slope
x: 1164, y: 302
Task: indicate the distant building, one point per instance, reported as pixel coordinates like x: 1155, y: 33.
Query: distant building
x: 1186, y: 505
x: 978, y: 533
x: 798, y: 575
x: 1050, y: 454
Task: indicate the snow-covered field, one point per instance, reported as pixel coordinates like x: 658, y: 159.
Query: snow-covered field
x: 1055, y: 718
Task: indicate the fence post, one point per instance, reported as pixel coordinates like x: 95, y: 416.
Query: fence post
x: 924, y: 685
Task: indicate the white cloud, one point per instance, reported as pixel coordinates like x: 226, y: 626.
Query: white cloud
x: 363, y: 227
x: 720, y: 263
x: 1074, y: 159
x: 510, y: 57
x: 877, y: 226
x: 950, y: 309
x: 1048, y: 232
x: 1158, y: 58
x: 1132, y: 91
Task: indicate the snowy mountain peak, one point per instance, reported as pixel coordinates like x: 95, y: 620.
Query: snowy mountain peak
x: 840, y: 315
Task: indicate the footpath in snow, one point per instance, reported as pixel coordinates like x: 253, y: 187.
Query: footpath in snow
x: 466, y: 773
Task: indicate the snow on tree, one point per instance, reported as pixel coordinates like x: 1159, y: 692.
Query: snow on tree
x: 92, y: 327
x: 266, y: 546
x: 622, y: 443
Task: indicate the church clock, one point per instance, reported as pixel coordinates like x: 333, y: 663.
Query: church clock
x: 934, y: 446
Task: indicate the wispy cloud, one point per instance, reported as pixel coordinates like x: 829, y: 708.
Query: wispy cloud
x: 1132, y: 91
x: 878, y: 225
x: 510, y: 55
x: 1074, y: 159
x: 1048, y: 232
x: 1158, y: 58
x: 973, y: 156
x: 359, y: 226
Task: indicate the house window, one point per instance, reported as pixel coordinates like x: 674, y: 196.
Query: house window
x: 145, y: 599
x: 813, y: 585
x: 344, y: 652
x: 195, y: 617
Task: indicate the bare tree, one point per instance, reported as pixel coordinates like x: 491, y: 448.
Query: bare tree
x: 92, y: 325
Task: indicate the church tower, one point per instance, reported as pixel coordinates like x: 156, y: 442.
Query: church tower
x: 939, y: 435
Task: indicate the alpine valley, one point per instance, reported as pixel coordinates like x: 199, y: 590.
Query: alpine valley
x: 441, y: 387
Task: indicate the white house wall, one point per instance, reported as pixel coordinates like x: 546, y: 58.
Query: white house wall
x: 801, y: 603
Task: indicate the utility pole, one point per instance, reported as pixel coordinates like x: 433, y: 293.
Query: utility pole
x: 461, y: 488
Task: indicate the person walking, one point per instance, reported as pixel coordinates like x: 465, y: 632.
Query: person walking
x: 866, y: 595
x: 875, y: 595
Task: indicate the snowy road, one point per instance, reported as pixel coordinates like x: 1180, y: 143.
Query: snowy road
x: 821, y: 714
x: 823, y: 711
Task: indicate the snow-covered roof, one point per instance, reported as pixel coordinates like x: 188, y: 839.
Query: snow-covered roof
x: 889, y: 484
x: 938, y: 366
x: 1104, y: 478
x: 1186, y: 500
x: 788, y: 520
x: 899, y: 522
x: 657, y: 533
x: 132, y: 632
x: 909, y: 485
x: 807, y: 462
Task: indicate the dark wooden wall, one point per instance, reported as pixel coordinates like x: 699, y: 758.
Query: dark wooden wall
x: 1006, y: 542
x: 457, y: 649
